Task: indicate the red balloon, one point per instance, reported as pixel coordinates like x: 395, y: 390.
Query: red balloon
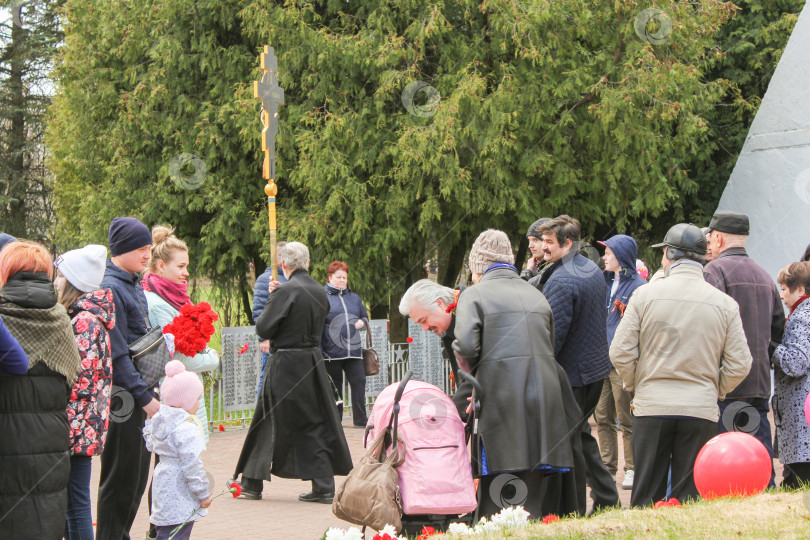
x: 732, y: 464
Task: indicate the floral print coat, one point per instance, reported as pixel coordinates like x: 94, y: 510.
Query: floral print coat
x: 92, y: 316
x: 791, y: 373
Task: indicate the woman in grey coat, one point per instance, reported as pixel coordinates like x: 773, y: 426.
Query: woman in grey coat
x: 504, y: 336
x: 791, y: 363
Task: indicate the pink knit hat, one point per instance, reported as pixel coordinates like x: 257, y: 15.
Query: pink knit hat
x: 180, y: 388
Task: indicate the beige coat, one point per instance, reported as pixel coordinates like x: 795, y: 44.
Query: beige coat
x: 680, y: 346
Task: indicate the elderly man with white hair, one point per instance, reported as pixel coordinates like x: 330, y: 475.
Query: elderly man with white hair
x: 433, y: 307
x: 295, y: 431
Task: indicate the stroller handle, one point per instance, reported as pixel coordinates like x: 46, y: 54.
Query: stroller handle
x: 479, y: 390
x: 401, y: 387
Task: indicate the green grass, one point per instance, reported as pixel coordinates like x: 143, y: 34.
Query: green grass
x: 770, y: 515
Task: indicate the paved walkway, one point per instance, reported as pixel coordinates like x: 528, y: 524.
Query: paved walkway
x: 279, y: 514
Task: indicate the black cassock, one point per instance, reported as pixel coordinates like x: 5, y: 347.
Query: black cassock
x: 295, y: 431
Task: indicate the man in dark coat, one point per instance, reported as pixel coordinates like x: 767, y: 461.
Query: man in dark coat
x: 433, y: 307
x: 575, y: 289
x: 504, y: 335
x: 733, y: 272
x: 295, y: 431
x: 261, y: 292
x: 536, y: 264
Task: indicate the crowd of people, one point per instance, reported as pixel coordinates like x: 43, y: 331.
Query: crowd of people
x: 566, y: 338
x: 662, y: 360
x: 69, y: 389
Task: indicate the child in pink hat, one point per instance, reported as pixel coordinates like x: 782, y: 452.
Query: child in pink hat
x: 180, y: 490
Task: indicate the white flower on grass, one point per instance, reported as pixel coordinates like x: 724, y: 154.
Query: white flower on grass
x: 512, y: 517
x: 333, y: 533
x: 389, y: 530
x: 460, y: 529
x: 508, y: 518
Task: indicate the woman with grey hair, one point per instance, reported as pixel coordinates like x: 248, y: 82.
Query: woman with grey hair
x: 527, y: 425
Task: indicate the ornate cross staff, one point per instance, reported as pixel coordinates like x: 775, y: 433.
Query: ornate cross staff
x: 271, y: 95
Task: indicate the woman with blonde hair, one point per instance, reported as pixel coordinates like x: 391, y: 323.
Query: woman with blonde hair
x: 166, y: 291
x: 33, y: 406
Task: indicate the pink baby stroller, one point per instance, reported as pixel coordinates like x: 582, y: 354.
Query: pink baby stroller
x: 435, y: 481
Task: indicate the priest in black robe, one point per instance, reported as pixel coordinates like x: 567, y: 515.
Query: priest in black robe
x: 295, y: 431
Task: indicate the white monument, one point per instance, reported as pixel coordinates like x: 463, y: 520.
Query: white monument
x: 771, y: 179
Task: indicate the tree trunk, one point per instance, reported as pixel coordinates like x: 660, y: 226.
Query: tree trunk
x: 15, y: 220
x: 410, y: 270
x: 450, y: 266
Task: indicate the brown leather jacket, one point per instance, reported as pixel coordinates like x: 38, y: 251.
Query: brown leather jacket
x: 736, y: 274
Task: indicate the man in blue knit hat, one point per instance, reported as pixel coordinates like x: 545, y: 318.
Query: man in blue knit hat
x: 125, y: 460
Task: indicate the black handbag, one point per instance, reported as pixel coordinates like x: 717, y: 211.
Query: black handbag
x: 371, y: 360
x: 149, y: 353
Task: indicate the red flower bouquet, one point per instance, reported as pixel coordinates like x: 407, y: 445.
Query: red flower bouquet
x: 192, y: 329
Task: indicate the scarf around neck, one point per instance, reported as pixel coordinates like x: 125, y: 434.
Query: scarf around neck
x: 799, y: 301
x: 176, y: 294
x: 44, y: 332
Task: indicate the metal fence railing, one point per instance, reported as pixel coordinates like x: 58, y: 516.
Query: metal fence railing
x: 395, y: 364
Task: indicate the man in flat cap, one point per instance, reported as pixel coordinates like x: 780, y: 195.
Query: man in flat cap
x: 733, y: 272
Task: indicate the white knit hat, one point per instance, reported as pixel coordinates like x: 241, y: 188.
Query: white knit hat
x: 180, y: 388
x: 84, y: 268
x: 492, y: 246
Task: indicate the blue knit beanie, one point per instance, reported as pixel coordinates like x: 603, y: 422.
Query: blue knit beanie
x: 127, y: 234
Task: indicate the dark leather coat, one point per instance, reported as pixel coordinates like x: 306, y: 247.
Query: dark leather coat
x: 504, y: 329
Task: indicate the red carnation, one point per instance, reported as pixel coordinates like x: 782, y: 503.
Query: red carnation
x: 235, y: 489
x: 192, y: 328
x: 551, y: 518
x: 221, y: 427
x: 426, y: 531
x: 409, y: 339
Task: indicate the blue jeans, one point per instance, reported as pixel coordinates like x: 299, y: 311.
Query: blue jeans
x: 265, y: 356
x: 79, y: 519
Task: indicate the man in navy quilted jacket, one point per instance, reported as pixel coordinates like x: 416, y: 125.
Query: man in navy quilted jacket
x: 261, y: 293
x: 575, y: 288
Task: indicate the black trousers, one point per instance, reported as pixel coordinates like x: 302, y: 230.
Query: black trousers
x: 603, y: 486
x: 356, y: 375
x: 122, y: 481
x: 520, y: 488
x: 763, y: 432
x: 795, y: 474
x: 659, y: 443
x: 319, y: 485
